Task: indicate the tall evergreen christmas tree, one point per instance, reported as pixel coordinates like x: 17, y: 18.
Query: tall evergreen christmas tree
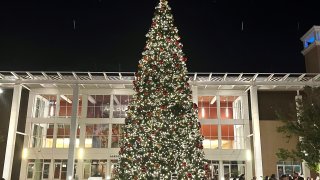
x: 161, y: 137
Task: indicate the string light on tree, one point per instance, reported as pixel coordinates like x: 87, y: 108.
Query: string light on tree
x: 161, y: 137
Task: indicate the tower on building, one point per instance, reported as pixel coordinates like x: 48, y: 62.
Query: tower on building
x: 311, y: 51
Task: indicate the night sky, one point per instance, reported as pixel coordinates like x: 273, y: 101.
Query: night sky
x: 110, y: 35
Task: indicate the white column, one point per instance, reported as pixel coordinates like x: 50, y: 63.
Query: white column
x: 195, y: 94
x: 256, y: 132
x: 221, y: 171
x: 26, y: 143
x: 245, y: 113
x: 11, y: 140
x: 73, y: 132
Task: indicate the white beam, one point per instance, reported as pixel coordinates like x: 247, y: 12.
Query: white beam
x: 75, y: 75
x: 30, y: 75
x: 195, y: 77
x: 284, y: 77
x: 300, y: 77
x: 45, y: 75
x: 60, y: 75
x: 225, y: 77
x: 11, y: 140
x: 269, y: 78
x: 105, y: 76
x: 90, y: 76
x: 15, y: 75
x: 254, y: 77
x: 256, y: 132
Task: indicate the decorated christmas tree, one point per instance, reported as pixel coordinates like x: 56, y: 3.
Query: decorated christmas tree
x: 161, y: 137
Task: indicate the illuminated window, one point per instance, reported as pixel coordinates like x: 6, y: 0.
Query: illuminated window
x: 120, y: 105
x: 233, y: 169
x: 97, y: 135
x: 116, y: 132
x: 66, y: 106
x: 207, y: 107
x: 63, y: 136
x: 230, y: 107
x: 232, y: 137
x: 114, y: 163
x: 60, y: 168
x: 42, y: 135
x: 98, y: 106
x: 210, y: 133
x: 44, y: 106
x: 94, y: 168
x: 38, y: 168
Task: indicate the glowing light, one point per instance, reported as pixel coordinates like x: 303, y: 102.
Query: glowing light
x: 81, y: 153
x: 202, y: 112
x: 66, y: 99
x: 1, y: 91
x: 108, y: 177
x: 92, y: 100
x: 227, y: 112
x: 25, y: 153
x: 248, y: 155
x: 51, y: 111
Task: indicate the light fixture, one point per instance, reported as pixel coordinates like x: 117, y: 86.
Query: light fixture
x: 202, y: 109
x: 51, y: 111
x: 66, y: 99
x: 25, y: 153
x: 248, y: 155
x: 1, y: 91
x: 213, y: 100
x: 81, y: 153
x: 227, y: 110
x: 92, y: 100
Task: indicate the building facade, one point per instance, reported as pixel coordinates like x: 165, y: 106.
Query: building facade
x: 72, y: 123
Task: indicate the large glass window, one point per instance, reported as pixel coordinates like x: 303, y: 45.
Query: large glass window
x: 120, y: 105
x: 94, y: 168
x: 98, y: 106
x: 213, y: 172
x: 288, y: 168
x: 38, y: 169
x: 232, y: 137
x: 233, y: 169
x: 44, y: 106
x: 230, y: 107
x: 210, y: 133
x: 42, y: 135
x: 97, y: 135
x: 114, y: 162
x: 116, y: 132
x: 63, y: 136
x: 66, y: 106
x: 207, y: 107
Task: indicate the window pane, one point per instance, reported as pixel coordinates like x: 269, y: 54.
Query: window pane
x: 120, y: 105
x: 98, y: 106
x: 210, y: 133
x: 30, y: 170
x: 207, y: 107
x: 232, y: 136
x: 46, y: 171
x: 97, y: 135
x: 44, y: 106
x: 231, y: 107
x: 116, y: 132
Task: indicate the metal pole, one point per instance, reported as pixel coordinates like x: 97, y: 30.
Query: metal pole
x: 73, y: 132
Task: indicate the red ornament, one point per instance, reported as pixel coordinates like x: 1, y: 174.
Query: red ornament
x: 189, y: 175
x: 184, y: 164
x: 168, y: 39
x: 161, y: 62
x: 184, y: 59
x: 195, y: 106
x: 206, y: 167
x: 146, y: 93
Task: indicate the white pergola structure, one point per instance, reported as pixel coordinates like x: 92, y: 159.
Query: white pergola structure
x: 81, y: 80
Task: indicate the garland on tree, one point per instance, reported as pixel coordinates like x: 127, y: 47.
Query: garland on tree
x: 161, y: 137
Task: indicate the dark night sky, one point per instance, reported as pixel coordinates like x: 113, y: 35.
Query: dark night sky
x: 39, y: 35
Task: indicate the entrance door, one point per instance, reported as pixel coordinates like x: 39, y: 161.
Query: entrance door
x: 226, y: 171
